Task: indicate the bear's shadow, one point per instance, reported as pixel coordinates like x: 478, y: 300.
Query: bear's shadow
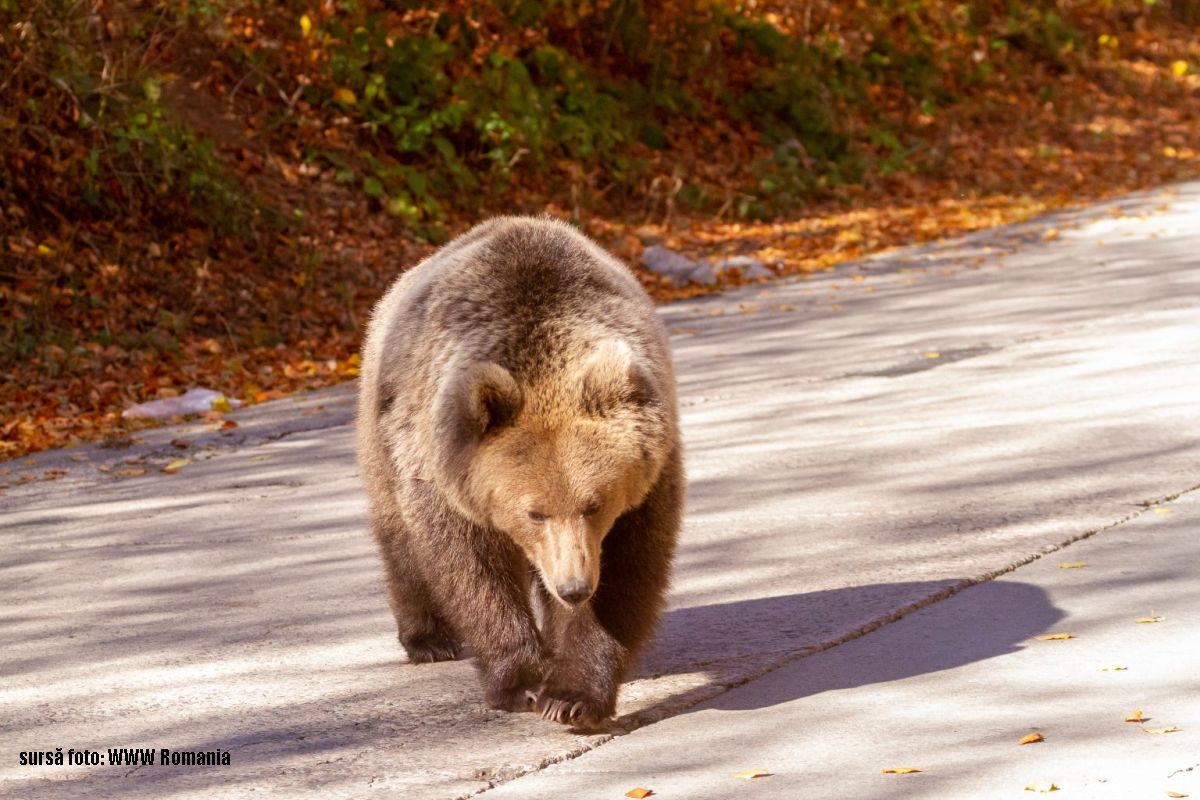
x: 730, y: 643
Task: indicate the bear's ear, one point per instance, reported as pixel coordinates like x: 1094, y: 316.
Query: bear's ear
x: 474, y: 399
x: 613, y: 376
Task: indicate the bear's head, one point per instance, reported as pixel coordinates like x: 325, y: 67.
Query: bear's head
x: 555, y: 462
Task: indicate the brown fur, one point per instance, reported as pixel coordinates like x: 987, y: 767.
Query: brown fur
x: 518, y: 437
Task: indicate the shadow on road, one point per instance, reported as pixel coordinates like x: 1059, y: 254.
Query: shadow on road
x: 995, y: 618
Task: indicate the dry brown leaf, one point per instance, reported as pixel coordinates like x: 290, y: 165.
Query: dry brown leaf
x: 1030, y: 738
x: 1054, y: 637
x: 639, y: 792
x: 1043, y: 786
x: 1170, y: 729
x: 901, y: 770
x: 751, y: 774
x: 1071, y: 565
x: 128, y: 472
x: 1135, y: 716
x: 175, y: 466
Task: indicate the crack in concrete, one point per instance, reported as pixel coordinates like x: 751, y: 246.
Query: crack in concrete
x: 702, y: 694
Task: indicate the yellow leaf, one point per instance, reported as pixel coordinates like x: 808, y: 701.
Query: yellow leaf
x: 1179, y: 69
x: 221, y: 404
x: 1149, y: 619
x: 1044, y: 786
x: 1172, y: 729
x: 933, y: 355
x: 1030, y: 738
x: 1177, y: 794
x: 900, y: 770
x: 859, y: 278
x: 344, y: 95
x: 128, y: 472
x: 751, y: 774
x: 1071, y: 565
x: 1050, y: 234
x: 175, y: 466
x: 1170, y: 152
x: 1113, y: 669
x: 639, y: 792
x: 1054, y: 637
x: 44, y: 249
x: 305, y: 25
x: 1161, y: 510
x: 1135, y: 716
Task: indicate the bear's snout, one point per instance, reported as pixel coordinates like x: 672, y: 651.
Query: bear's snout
x: 574, y: 592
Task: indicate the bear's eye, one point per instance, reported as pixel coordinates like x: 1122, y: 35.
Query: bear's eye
x: 592, y: 509
x: 537, y: 516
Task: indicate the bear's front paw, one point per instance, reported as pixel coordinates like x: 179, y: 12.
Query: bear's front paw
x: 429, y: 648
x: 518, y: 699
x: 571, y: 707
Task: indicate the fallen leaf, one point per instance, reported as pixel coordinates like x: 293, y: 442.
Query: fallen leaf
x: 639, y: 792
x: 900, y: 770
x: 1054, y: 637
x: 128, y: 472
x: 1177, y: 794
x: 305, y: 25
x: 263, y: 457
x: 933, y: 355
x: 221, y: 404
x: 1135, y: 716
x: 1071, y: 565
x: 1044, y: 786
x: 1179, y: 69
x: 751, y: 774
x: 229, y: 424
x: 1171, y: 729
x: 1050, y: 234
x: 1149, y: 619
x: 78, y: 457
x: 175, y: 466
x: 1113, y: 669
x: 1030, y: 738
x: 1161, y: 510
x: 344, y: 95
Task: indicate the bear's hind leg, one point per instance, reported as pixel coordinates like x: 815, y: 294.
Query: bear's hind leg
x: 423, y: 634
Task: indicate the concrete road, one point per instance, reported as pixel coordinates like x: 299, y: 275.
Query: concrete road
x: 858, y: 450
x: 952, y: 689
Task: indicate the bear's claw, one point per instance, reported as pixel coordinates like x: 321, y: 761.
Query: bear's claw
x: 569, y: 711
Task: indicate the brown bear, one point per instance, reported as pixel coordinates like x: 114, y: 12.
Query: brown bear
x: 518, y: 437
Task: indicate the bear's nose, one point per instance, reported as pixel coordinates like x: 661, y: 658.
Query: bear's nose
x: 574, y: 592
